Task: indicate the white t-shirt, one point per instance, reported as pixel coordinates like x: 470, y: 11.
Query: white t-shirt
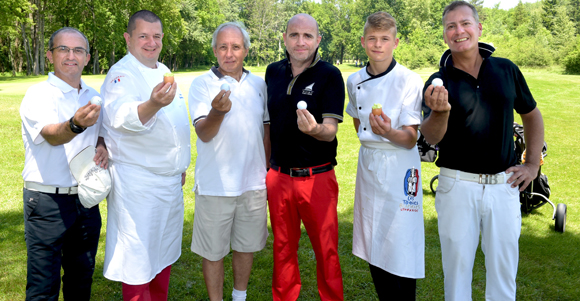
x: 50, y: 102
x: 234, y: 161
x: 161, y: 146
x: 399, y: 92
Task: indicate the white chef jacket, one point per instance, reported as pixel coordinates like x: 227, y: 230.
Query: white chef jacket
x: 388, y: 229
x: 50, y: 102
x: 234, y: 161
x: 145, y: 206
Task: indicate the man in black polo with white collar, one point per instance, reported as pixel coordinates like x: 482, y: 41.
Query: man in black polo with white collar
x: 471, y: 119
x: 301, y: 182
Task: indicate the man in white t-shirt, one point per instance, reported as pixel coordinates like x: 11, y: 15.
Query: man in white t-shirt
x: 228, y: 109
x: 149, y: 142
x: 58, y: 122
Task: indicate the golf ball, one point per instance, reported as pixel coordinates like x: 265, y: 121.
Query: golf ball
x: 225, y: 87
x: 302, y: 105
x: 96, y: 100
x: 437, y: 82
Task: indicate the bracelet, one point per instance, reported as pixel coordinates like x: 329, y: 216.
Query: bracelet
x: 75, y: 128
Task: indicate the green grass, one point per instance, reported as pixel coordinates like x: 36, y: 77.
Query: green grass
x: 549, y: 267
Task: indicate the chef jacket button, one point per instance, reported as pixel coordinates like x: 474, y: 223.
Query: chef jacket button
x: 360, y: 108
x: 364, y: 129
x: 358, y: 87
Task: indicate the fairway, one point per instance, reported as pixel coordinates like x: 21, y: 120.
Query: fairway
x: 549, y: 267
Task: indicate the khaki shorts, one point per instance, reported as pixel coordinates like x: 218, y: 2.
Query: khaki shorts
x: 219, y: 220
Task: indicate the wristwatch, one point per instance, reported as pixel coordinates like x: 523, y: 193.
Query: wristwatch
x: 75, y: 128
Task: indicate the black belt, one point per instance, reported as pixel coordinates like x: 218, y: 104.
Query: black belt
x: 303, y: 172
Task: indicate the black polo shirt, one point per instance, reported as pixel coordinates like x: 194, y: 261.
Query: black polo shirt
x: 322, y: 88
x: 479, y: 137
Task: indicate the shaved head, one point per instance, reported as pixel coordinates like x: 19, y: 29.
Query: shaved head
x: 302, y: 18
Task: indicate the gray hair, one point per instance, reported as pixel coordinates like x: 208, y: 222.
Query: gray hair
x: 456, y: 4
x: 237, y: 25
x: 65, y: 30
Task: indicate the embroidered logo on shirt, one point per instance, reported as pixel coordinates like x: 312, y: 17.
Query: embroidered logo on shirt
x: 180, y: 96
x: 411, y: 188
x: 117, y: 79
x: 308, y: 90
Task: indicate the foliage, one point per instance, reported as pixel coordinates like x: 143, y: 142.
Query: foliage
x: 549, y: 26
x: 572, y: 60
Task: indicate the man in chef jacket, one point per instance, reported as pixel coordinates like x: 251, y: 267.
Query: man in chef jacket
x: 149, y: 146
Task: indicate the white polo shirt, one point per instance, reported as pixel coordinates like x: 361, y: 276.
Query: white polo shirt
x: 162, y: 145
x: 234, y: 161
x: 398, y: 91
x: 50, y: 102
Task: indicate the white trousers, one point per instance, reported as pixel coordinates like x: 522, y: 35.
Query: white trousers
x: 466, y: 209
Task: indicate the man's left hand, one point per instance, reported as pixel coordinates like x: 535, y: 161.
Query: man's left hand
x: 523, y: 174
x: 102, y: 156
x: 306, y: 122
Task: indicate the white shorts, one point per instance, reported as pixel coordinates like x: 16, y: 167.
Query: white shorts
x: 219, y: 220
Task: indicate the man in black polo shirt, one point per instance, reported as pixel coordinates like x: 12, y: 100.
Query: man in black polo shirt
x: 301, y: 182
x: 471, y: 119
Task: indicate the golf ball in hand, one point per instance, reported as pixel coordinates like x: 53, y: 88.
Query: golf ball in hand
x: 225, y: 87
x: 302, y: 105
x: 96, y: 100
x: 437, y: 82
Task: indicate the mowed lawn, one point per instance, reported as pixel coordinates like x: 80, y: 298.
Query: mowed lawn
x: 549, y: 266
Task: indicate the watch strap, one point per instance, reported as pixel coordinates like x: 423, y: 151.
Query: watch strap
x: 75, y: 128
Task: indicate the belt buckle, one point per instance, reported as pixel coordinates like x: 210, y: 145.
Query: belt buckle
x: 298, y: 172
x: 488, y: 179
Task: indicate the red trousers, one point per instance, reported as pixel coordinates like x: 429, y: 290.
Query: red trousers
x: 313, y: 200
x: 156, y: 290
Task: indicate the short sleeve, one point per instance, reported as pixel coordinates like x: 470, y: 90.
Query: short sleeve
x: 351, y: 107
x: 411, y: 110
x: 524, y: 102
x: 199, y: 99
x: 334, y: 95
x: 38, y: 109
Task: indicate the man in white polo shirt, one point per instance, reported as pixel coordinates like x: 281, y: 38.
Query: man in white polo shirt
x: 228, y: 109
x: 58, y: 122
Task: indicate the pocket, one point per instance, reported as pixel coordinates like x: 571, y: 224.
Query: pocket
x: 30, y: 200
x: 445, y: 184
x: 512, y: 191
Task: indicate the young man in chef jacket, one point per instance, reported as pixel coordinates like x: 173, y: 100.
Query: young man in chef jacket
x: 149, y: 144
x: 388, y: 210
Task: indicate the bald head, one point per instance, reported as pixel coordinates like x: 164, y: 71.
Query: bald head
x: 303, y: 19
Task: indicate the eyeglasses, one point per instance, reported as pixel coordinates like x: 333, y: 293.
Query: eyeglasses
x: 65, y: 50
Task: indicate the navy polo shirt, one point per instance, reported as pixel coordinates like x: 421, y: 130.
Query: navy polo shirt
x: 322, y: 88
x: 479, y: 137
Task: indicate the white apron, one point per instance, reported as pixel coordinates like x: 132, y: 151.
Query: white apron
x: 388, y: 230
x: 145, y: 218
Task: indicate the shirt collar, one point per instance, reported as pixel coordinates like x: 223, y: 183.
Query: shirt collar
x: 315, y: 60
x: 485, y: 50
x: 391, y: 66
x: 219, y: 75
x: 62, y: 85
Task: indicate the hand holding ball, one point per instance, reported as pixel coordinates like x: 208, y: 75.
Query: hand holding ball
x: 225, y: 87
x: 168, y: 78
x: 96, y: 100
x: 437, y: 82
x: 377, y: 109
x: 302, y: 105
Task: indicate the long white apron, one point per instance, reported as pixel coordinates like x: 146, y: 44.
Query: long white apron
x: 388, y: 230
x: 145, y: 218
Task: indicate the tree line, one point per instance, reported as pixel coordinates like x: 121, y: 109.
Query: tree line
x: 531, y: 34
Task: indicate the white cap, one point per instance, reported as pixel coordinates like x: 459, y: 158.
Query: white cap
x: 94, y: 181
